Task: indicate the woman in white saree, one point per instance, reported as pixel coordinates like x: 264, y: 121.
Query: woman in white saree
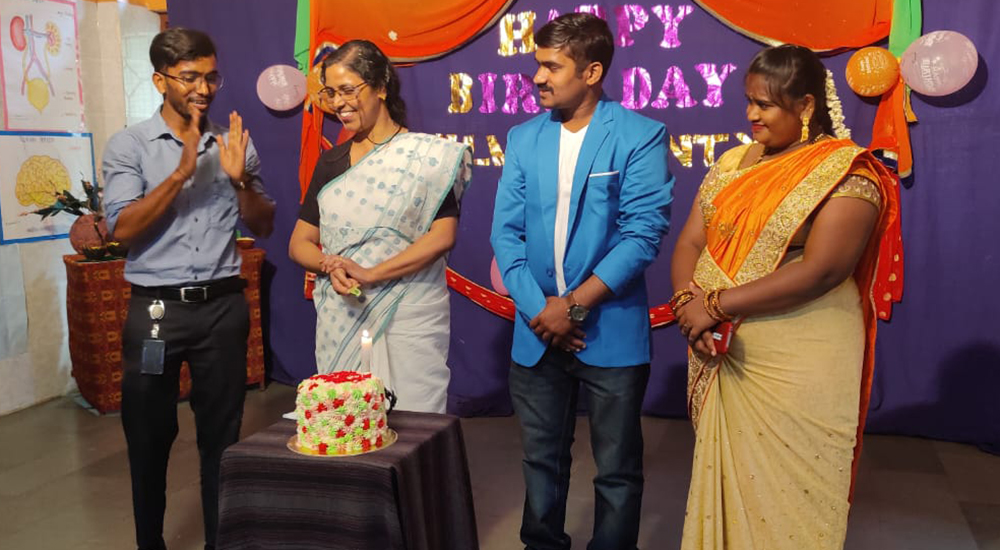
x: 384, y: 208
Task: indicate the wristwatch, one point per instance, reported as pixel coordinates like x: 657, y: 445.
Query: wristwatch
x: 242, y: 183
x: 576, y: 312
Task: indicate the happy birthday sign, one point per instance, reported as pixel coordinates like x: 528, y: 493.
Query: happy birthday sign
x: 474, y: 93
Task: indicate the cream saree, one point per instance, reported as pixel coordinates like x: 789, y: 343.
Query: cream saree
x: 778, y: 418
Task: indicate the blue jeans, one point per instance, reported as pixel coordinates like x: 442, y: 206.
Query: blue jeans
x: 544, y: 399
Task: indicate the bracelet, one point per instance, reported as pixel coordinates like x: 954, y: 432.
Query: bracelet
x: 713, y: 306
x: 680, y: 293
x: 681, y: 302
x: 680, y: 298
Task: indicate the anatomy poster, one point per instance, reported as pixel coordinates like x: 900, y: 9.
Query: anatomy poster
x: 42, y: 173
x: 39, y: 65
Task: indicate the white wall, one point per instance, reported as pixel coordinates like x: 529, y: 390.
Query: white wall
x: 43, y: 371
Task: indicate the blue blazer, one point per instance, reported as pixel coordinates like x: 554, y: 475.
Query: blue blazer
x: 619, y: 211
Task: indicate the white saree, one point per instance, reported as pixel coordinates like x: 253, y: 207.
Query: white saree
x: 370, y: 213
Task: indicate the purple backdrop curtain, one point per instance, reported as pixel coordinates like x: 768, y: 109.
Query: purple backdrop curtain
x: 938, y: 362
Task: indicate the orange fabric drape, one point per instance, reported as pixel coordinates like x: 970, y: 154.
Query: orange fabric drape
x: 311, y: 146
x: 405, y: 31
x: 749, y: 201
x: 817, y: 24
x: 891, y: 130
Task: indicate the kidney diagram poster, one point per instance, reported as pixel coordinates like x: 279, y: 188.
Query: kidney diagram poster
x: 39, y: 65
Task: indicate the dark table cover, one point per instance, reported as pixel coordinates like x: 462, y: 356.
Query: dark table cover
x: 414, y: 494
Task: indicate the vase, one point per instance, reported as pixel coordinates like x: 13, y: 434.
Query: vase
x: 87, y: 231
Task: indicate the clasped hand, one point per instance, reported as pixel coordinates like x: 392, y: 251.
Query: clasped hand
x: 345, y: 274
x: 696, y: 324
x: 554, y: 326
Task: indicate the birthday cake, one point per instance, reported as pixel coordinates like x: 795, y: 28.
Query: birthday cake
x: 341, y: 413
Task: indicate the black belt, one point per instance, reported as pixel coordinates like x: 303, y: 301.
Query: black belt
x: 193, y: 293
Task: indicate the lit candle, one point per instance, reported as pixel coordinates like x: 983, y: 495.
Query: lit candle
x: 366, y: 351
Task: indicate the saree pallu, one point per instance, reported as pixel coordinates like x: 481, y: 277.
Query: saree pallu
x: 778, y: 418
x: 370, y: 213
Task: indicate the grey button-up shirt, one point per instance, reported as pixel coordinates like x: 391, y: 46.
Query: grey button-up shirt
x: 193, y: 242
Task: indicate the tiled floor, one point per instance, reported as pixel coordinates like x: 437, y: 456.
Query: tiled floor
x: 64, y: 484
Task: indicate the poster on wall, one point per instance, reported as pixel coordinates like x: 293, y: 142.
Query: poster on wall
x: 39, y: 65
x: 37, y: 170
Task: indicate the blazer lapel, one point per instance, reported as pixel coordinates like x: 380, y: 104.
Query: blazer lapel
x: 597, y: 133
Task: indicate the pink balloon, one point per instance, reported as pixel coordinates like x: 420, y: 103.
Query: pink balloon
x: 281, y: 87
x: 939, y: 63
x: 496, y: 280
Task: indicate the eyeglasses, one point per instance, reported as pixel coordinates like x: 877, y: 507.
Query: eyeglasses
x: 347, y: 92
x: 213, y: 81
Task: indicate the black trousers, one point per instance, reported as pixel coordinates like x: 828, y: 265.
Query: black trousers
x: 212, y: 337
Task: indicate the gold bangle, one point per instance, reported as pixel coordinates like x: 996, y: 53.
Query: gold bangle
x: 713, y: 306
x: 708, y: 305
x: 718, y: 306
x: 681, y: 302
x: 680, y: 298
x: 707, y: 302
x: 681, y: 292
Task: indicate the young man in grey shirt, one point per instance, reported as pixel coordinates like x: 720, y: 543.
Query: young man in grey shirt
x: 175, y: 186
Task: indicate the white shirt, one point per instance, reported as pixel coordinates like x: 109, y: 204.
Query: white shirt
x: 569, y: 150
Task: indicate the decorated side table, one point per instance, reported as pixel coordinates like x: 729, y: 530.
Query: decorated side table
x: 97, y: 298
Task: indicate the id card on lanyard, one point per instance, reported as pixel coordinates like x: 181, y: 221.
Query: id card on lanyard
x: 154, y: 350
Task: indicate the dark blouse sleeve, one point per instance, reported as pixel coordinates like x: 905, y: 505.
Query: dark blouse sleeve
x: 331, y: 164
x: 449, y: 207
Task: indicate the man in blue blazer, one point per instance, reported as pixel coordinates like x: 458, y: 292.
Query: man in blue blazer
x: 581, y: 208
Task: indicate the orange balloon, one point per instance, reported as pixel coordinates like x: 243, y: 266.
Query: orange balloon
x: 872, y: 71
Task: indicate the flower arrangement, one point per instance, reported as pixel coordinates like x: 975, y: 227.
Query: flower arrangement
x: 89, y: 233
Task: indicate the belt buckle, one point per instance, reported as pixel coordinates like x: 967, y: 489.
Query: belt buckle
x: 194, y: 299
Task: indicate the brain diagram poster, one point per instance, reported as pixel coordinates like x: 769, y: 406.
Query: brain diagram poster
x: 36, y: 168
x: 39, y: 65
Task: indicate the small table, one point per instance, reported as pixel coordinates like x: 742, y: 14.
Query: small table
x: 414, y: 494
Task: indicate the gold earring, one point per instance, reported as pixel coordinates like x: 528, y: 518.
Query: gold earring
x: 805, y: 128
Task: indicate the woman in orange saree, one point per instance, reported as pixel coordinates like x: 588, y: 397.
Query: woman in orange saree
x: 795, y: 237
